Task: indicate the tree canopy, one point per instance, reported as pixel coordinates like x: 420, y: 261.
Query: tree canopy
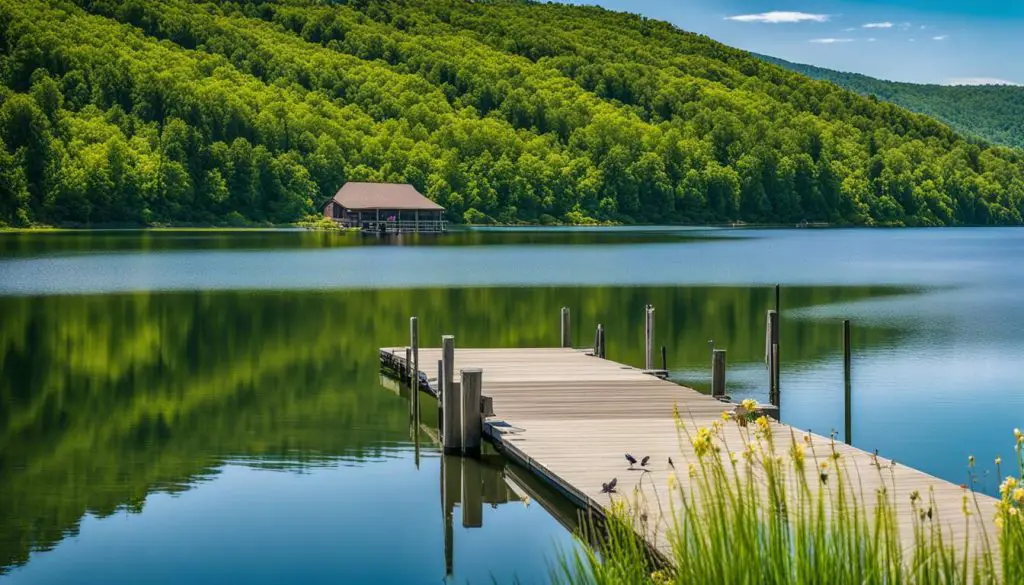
x: 171, y: 111
x: 991, y: 113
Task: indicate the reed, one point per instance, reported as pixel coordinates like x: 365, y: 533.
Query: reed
x: 755, y: 517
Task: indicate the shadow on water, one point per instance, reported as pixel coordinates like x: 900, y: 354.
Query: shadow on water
x: 107, y: 399
x: 27, y: 244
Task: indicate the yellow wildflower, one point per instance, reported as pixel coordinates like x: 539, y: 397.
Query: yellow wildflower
x: 749, y: 450
x: 1019, y: 436
x: 964, y: 507
x: 733, y: 458
x: 797, y: 451
x: 671, y: 481
x: 762, y: 424
x: 1007, y: 486
x: 999, y: 522
x: 824, y: 465
x: 749, y: 405
x: 1018, y: 496
x: 970, y: 460
x: 716, y: 426
x: 1014, y: 512
x: 807, y: 438
x: 702, y: 442
x: 999, y: 460
x: 693, y: 470
x: 726, y: 415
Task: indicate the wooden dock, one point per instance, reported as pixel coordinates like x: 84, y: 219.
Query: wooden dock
x: 569, y: 417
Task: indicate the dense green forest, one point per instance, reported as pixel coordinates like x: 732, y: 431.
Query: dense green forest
x: 171, y: 111
x: 994, y: 113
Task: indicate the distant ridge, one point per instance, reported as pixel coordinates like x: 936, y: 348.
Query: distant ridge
x: 993, y: 113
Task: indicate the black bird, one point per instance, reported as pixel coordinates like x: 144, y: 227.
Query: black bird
x: 670, y: 464
x: 609, y: 488
x: 645, y: 461
x: 631, y: 459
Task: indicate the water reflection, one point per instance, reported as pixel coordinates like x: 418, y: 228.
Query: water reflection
x: 105, y: 400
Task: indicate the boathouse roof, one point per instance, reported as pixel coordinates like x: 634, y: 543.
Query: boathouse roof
x: 355, y: 195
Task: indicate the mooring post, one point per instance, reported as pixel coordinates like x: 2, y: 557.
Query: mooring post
x: 771, y: 354
x: 407, y: 372
x: 566, y: 333
x: 452, y: 398
x: 472, y: 420
x: 778, y: 360
x: 847, y: 385
x: 718, y: 373
x: 649, y: 337
x: 440, y: 397
x: 664, y: 358
x: 600, y: 341
x: 414, y: 341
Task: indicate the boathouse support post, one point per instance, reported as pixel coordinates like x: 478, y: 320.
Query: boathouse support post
x: 566, y: 331
x: 718, y: 373
x: 847, y: 384
x: 472, y: 418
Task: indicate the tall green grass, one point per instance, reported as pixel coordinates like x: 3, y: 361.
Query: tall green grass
x: 757, y: 517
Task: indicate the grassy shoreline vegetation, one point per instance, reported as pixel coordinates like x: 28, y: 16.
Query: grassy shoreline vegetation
x: 758, y: 514
x: 167, y: 112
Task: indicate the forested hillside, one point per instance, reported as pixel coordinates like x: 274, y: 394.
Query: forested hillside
x: 169, y: 111
x: 994, y: 113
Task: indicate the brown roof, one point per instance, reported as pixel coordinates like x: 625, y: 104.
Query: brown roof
x: 382, y: 196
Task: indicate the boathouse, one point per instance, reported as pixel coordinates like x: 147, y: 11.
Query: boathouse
x: 385, y: 208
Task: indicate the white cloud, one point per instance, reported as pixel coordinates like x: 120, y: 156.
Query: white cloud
x: 872, y: 39
x: 911, y: 40
x: 878, y: 25
x: 923, y: 27
x: 779, y: 16
x: 940, y: 38
x: 979, y: 81
x: 830, y: 41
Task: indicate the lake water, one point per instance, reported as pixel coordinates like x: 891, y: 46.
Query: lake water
x: 205, y: 407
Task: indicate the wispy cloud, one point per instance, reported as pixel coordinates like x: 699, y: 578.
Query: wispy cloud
x: 940, y: 38
x: 779, y: 17
x: 979, y: 81
x: 878, y: 25
x: 872, y: 39
x: 904, y: 26
x: 830, y: 41
x: 850, y: 29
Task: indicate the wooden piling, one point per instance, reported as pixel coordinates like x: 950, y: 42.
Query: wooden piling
x: 407, y: 370
x: 414, y: 342
x: 847, y: 384
x: 649, y: 337
x: 451, y: 398
x: 566, y: 332
x: 472, y: 420
x: 600, y: 341
x: 664, y: 358
x: 778, y: 360
x: 440, y: 401
x: 772, y: 355
x: 472, y: 496
x: 718, y: 373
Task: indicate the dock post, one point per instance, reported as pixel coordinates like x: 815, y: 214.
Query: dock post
x: 847, y: 385
x: 566, y: 332
x: 414, y: 341
x: 600, y: 341
x: 718, y: 373
x: 472, y: 420
x: 452, y: 399
x: 440, y: 397
x: 649, y: 337
x: 771, y: 355
x: 778, y: 360
x: 664, y: 358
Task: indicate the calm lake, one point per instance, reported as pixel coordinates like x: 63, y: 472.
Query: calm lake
x: 206, y: 407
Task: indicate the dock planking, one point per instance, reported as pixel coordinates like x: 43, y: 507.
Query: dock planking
x: 570, y: 417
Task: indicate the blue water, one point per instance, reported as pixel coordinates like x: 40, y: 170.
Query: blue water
x: 206, y: 407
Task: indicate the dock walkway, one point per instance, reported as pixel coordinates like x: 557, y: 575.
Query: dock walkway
x: 570, y: 417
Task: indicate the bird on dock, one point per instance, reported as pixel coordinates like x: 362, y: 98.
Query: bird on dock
x: 670, y: 464
x: 609, y: 488
x: 631, y: 460
x: 645, y: 461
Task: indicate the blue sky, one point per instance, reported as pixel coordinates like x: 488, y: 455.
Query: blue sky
x: 924, y: 41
